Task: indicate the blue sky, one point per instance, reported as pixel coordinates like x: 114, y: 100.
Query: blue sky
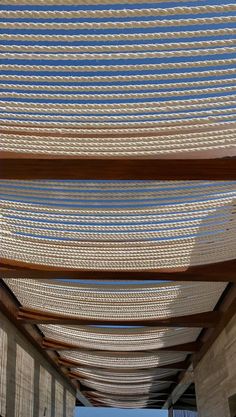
x: 115, y: 412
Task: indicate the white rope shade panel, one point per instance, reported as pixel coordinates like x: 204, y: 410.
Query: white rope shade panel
x: 126, y: 398
x: 102, y: 68
x: 111, y: 78
x: 115, y: 225
x: 118, y: 37
x: 147, y: 107
x: 130, y: 96
x: 120, y: 25
x: 119, y: 118
x: 104, y: 37
x: 76, y: 120
x: 117, y: 13
x: 148, y: 144
x: 126, y: 405
x: 119, y: 339
x: 115, y: 48
x: 123, y: 360
x: 138, y: 403
x: 224, y: 122
x: 117, y: 257
x: 125, y: 401
x: 116, y: 55
x: 123, y: 389
x: 136, y: 376
x: 118, y: 68
x: 126, y: 302
x: 84, y: 2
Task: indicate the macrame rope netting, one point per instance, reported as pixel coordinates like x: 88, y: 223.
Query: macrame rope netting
x: 16, y: 14
x: 111, y: 53
x: 115, y: 339
x: 115, y: 302
x: 118, y: 225
x: 124, y: 361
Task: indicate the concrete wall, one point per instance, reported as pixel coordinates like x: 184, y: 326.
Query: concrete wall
x: 15, y: 338
x: 215, y: 375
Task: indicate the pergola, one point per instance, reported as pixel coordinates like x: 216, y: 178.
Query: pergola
x: 124, y: 329
x: 123, y: 285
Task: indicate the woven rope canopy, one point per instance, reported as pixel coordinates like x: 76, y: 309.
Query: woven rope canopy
x: 118, y: 225
x: 109, y: 301
x: 94, y: 80
x: 118, y: 79
x: 122, y: 339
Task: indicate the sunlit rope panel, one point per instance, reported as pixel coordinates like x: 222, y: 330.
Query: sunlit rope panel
x: 119, y: 339
x: 118, y: 225
x: 128, y: 377
x: 135, y: 360
x: 127, y: 302
x: 127, y: 398
x: 139, y: 403
x: 106, y: 78
x: 123, y: 389
x: 121, y: 402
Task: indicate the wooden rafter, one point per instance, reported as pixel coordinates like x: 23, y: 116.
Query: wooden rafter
x: 218, y: 272
x: 117, y: 169
x: 205, y: 320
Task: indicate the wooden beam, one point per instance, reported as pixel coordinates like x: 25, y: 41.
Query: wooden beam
x: 117, y: 169
x: 51, y: 344
x: 69, y: 363
x: 9, y: 306
x: 205, y: 320
x: 217, y: 272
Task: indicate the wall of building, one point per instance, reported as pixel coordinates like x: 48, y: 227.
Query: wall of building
x: 215, y: 375
x: 29, y: 385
